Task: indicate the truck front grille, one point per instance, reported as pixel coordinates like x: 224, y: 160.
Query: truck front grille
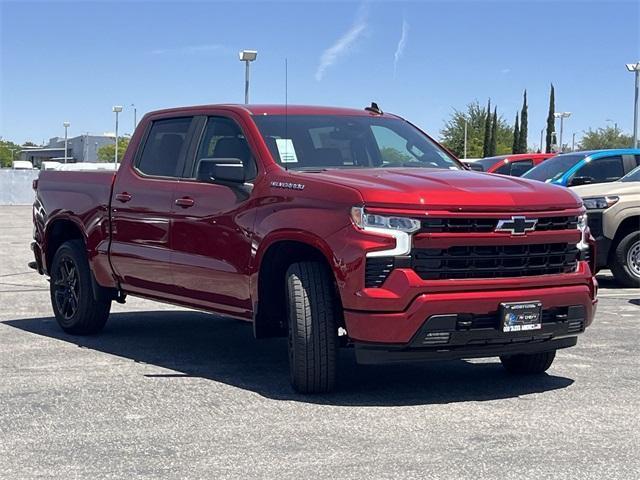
x: 494, y: 261
x: 485, y: 225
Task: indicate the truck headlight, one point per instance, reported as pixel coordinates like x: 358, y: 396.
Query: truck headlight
x: 400, y: 228
x: 365, y: 220
x: 600, y: 203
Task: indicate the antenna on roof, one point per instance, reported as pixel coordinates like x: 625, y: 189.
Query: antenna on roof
x: 374, y: 108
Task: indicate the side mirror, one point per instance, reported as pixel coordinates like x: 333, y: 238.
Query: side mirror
x: 575, y: 181
x: 476, y: 167
x: 220, y: 170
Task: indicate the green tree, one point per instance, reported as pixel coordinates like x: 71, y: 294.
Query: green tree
x: 452, y: 134
x: 493, y: 148
x: 107, y: 152
x: 516, y: 136
x: 486, y: 146
x: 551, y: 123
x: 8, y: 153
x: 393, y: 155
x: 603, y: 138
x: 522, y: 137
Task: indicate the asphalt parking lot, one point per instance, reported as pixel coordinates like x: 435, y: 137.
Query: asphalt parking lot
x: 165, y: 392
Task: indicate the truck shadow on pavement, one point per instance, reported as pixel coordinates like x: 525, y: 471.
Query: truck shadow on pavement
x: 192, y: 344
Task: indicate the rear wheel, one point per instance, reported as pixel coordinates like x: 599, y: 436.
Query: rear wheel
x: 313, y: 333
x: 626, y: 261
x: 75, y: 308
x: 528, y: 364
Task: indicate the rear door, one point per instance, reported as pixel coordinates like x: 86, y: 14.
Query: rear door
x: 141, y: 208
x: 212, y: 224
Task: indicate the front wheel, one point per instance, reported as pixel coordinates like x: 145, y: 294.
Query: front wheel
x: 626, y: 261
x: 531, y: 363
x: 313, y: 333
x: 75, y: 308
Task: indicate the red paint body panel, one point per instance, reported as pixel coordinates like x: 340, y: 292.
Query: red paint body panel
x: 206, y: 251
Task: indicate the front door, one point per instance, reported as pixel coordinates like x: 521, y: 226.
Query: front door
x: 212, y: 225
x: 141, y: 209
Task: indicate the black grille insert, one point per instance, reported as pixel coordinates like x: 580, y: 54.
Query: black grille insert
x: 494, y: 261
x: 485, y: 225
x: 377, y: 270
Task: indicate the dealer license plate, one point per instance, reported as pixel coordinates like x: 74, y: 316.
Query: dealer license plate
x: 521, y: 316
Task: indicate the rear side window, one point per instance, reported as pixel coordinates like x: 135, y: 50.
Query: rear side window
x: 165, y: 148
x: 520, y: 167
x: 608, y: 169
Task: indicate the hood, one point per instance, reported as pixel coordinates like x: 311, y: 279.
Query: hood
x: 456, y: 190
x: 611, y: 188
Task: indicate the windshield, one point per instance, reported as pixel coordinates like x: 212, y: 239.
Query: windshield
x: 553, y: 168
x: 313, y: 142
x: 632, y: 176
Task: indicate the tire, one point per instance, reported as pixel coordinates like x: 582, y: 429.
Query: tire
x: 71, y: 288
x: 626, y: 261
x: 528, y: 364
x: 313, y: 332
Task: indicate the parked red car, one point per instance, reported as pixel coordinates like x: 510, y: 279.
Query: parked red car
x: 515, y: 165
x: 334, y: 227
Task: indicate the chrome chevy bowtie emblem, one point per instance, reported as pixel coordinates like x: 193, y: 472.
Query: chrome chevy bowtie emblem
x: 517, y: 225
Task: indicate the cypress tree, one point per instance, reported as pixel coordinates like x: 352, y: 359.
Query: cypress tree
x: 551, y: 125
x: 494, y: 133
x: 516, y: 137
x: 487, y: 132
x: 522, y: 142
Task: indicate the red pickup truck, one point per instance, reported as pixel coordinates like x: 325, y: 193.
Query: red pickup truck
x: 334, y: 227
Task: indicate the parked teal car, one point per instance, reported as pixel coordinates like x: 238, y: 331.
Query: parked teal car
x: 582, y: 168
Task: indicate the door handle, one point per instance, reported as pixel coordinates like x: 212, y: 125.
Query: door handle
x: 123, y: 197
x: 185, y: 202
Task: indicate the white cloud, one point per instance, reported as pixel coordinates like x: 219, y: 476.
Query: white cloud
x: 505, y: 70
x: 344, y: 44
x: 191, y: 49
x: 402, y: 43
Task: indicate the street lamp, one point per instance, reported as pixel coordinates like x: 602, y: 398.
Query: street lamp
x: 247, y: 56
x: 541, y: 135
x: 635, y: 67
x: 465, y: 137
x: 615, y: 125
x: 66, y: 126
x: 561, y: 116
x: 135, y: 117
x: 116, y: 109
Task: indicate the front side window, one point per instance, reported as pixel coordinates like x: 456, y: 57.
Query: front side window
x: 223, y: 138
x: 312, y: 142
x: 165, y: 148
x: 601, y: 170
x: 520, y: 167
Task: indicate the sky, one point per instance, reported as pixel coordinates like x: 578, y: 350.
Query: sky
x: 72, y: 61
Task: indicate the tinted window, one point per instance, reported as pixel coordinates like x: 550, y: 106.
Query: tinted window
x: 520, y: 167
x: 602, y: 170
x: 503, y: 169
x: 489, y: 162
x: 165, y: 147
x: 554, y: 167
x: 632, y: 176
x: 340, y: 141
x: 223, y: 138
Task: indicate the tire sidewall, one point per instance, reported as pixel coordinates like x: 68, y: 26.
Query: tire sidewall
x: 621, y: 269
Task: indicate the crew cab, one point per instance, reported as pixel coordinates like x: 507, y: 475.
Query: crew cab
x: 613, y: 211
x: 515, y: 165
x: 332, y: 227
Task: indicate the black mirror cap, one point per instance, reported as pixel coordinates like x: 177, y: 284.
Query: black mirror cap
x: 220, y: 170
x: 575, y: 181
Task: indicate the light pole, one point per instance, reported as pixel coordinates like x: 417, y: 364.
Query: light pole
x: 66, y: 126
x: 247, y: 56
x: 573, y: 142
x: 116, y: 109
x: 561, y: 116
x: 615, y: 125
x: 635, y: 67
x: 135, y: 118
